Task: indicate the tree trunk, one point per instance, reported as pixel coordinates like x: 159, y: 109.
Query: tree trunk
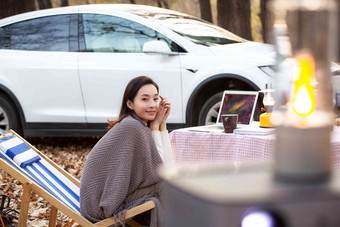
x: 266, y: 22
x: 206, y: 10
x: 64, y: 3
x: 163, y: 4
x: 234, y: 15
x: 44, y: 4
x: 12, y: 7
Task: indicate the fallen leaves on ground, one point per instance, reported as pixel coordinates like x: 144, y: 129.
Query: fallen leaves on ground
x: 68, y: 153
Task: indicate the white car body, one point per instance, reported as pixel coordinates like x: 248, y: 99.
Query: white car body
x: 64, y: 88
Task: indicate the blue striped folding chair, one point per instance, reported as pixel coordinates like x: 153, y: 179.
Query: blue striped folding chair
x: 40, y: 174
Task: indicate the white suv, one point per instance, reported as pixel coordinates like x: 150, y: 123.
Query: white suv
x: 63, y: 71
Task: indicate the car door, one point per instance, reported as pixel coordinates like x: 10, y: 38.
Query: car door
x: 38, y: 66
x: 112, y: 55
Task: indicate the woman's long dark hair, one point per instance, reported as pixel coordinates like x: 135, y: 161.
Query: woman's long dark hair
x: 130, y: 93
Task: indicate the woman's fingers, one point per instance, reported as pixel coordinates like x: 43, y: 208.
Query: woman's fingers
x: 165, y: 107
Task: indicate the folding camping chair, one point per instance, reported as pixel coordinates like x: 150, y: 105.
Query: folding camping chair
x: 40, y: 174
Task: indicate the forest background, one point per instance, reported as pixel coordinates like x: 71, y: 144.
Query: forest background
x: 246, y: 18
x: 250, y: 19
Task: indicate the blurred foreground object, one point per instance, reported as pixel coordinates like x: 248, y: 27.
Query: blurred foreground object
x: 231, y: 194
x: 298, y: 189
x: 304, y: 113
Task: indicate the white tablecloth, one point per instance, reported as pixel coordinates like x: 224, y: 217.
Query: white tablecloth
x: 190, y: 145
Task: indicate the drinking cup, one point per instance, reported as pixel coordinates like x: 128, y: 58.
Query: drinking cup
x: 229, y: 122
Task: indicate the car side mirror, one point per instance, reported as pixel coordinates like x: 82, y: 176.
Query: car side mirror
x: 156, y: 47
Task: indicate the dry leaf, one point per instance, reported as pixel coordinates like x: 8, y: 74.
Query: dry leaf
x: 68, y: 153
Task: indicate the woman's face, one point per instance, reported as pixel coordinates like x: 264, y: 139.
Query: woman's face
x: 145, y: 104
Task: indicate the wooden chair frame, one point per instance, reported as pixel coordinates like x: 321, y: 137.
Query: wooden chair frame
x: 31, y: 186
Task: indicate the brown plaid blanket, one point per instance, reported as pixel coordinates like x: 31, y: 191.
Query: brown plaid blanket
x: 123, y: 160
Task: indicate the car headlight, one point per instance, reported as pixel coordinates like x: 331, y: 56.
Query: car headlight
x: 268, y: 69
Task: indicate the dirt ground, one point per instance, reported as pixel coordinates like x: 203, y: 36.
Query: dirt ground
x: 70, y: 153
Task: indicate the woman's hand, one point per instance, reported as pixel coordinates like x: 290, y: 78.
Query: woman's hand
x: 166, y: 105
x: 159, y: 123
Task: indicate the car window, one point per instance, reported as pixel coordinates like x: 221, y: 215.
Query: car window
x: 5, y: 38
x: 192, y: 28
x: 105, y: 33
x: 49, y: 33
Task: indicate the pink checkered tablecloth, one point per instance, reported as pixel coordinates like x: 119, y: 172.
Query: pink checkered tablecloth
x: 194, y: 146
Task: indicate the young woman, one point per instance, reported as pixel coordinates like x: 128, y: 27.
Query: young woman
x: 120, y: 171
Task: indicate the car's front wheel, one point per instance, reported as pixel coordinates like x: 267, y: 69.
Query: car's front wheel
x: 8, y: 116
x: 209, y: 112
